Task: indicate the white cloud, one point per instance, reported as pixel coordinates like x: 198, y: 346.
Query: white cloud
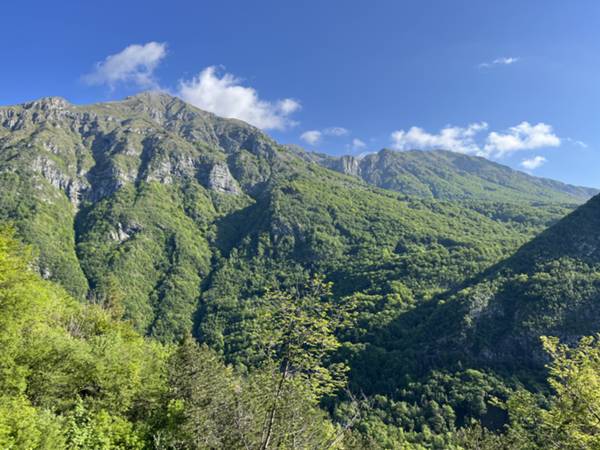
x: 311, y: 137
x: 505, y: 61
x: 457, y: 139
x: 336, y: 131
x: 225, y: 96
x: 521, y: 137
x: 135, y: 64
x: 357, y: 144
x: 466, y: 139
x: 288, y: 106
x: 533, y: 163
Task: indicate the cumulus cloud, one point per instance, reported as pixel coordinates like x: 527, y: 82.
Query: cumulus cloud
x: 457, y: 139
x: 288, y: 106
x: 311, y: 137
x: 533, y: 163
x: 222, y: 94
x: 135, y: 64
x: 505, y: 61
x: 524, y: 136
x: 521, y: 137
x: 225, y: 96
x: 357, y: 144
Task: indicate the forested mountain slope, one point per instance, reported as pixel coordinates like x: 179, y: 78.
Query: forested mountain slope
x: 190, y: 215
x: 446, y: 361
x: 483, y: 338
x: 550, y: 286
x: 181, y: 221
x: 450, y: 176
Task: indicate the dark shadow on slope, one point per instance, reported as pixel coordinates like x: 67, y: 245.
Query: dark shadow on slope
x: 496, y: 322
x: 234, y: 227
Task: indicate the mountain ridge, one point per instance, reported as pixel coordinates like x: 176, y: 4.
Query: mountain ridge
x: 448, y: 175
x: 436, y: 173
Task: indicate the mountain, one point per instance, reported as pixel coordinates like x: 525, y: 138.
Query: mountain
x: 480, y: 341
x: 449, y: 176
x: 549, y: 287
x: 124, y: 193
x: 181, y: 221
x: 494, y: 321
x: 189, y: 217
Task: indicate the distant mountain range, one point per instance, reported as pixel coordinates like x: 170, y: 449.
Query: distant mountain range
x: 449, y: 176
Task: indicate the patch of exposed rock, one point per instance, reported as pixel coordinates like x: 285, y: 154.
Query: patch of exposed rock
x: 167, y: 170
x: 349, y: 165
x: 124, y: 232
x: 221, y: 180
x: 73, y: 187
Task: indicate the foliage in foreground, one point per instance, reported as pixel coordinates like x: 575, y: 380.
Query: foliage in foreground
x: 569, y: 419
x: 76, y: 377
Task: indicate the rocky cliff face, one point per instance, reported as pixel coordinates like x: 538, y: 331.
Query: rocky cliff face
x: 348, y: 165
x: 91, y: 152
x: 221, y: 180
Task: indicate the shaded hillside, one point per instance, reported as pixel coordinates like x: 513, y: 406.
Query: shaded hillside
x: 549, y: 287
x: 481, y: 340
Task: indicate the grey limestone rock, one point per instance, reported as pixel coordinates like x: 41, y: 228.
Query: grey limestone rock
x: 221, y: 180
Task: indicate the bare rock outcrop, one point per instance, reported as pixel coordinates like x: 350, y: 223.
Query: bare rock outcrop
x: 221, y: 180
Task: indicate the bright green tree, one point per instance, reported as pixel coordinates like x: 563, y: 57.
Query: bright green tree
x: 570, y: 418
x: 296, y: 334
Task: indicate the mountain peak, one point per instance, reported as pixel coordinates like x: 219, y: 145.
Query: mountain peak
x: 48, y: 103
x: 160, y: 105
x: 153, y: 96
x: 154, y: 100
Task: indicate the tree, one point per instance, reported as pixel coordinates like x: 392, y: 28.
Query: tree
x: 296, y: 336
x: 211, y: 406
x: 570, y: 418
x: 201, y: 400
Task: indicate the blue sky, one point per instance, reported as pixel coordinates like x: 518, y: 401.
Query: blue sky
x: 514, y: 81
